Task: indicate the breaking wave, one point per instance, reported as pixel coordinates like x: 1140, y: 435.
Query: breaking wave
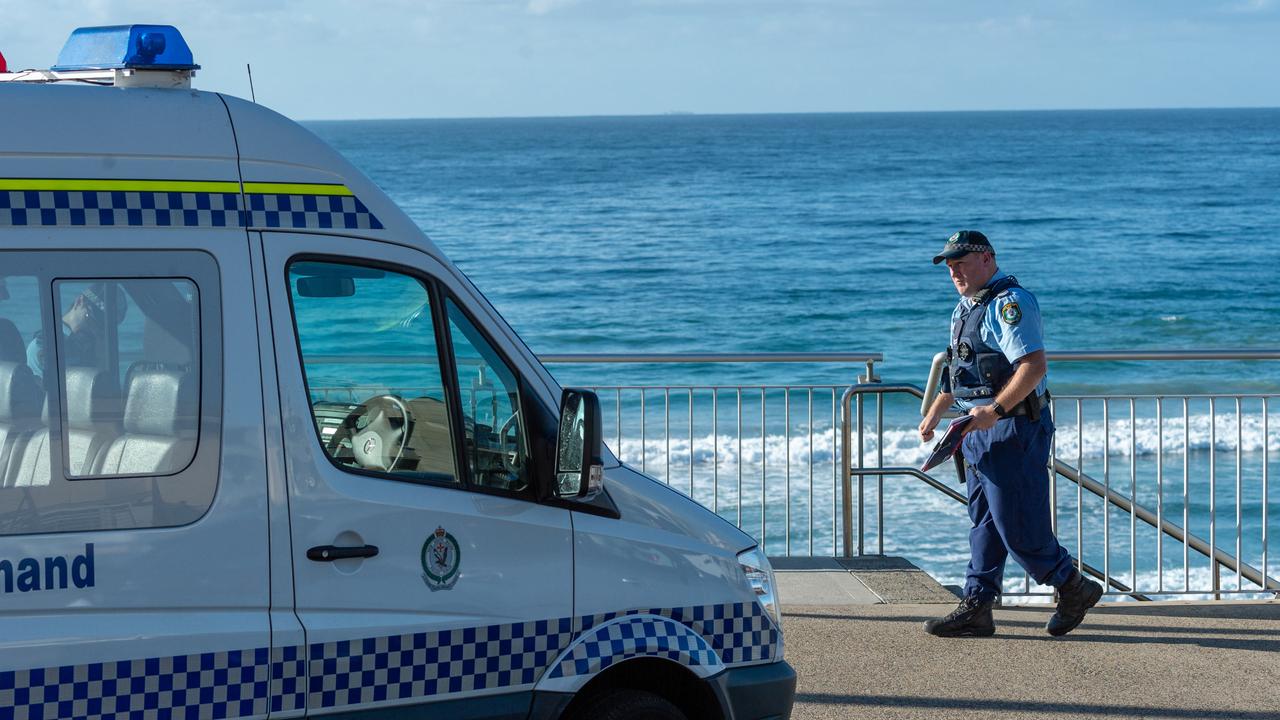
x: 902, y: 446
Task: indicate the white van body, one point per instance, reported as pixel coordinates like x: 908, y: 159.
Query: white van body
x: 198, y: 521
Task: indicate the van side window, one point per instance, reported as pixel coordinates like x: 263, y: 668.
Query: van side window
x: 372, y: 368
x: 21, y: 388
x: 496, y: 450
x: 129, y: 366
x: 110, y: 389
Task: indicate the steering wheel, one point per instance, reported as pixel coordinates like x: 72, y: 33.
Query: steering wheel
x: 377, y: 443
x: 510, y: 451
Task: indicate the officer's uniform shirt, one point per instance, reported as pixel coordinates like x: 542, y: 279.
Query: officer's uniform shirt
x: 1011, y: 323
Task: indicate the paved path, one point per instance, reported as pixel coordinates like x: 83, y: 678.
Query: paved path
x: 1183, y: 661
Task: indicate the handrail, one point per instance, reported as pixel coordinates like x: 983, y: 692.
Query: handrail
x: 940, y: 359
x: 869, y: 358
x: 1122, y: 355
x: 848, y: 472
x: 1058, y: 355
x: 700, y: 357
x: 846, y: 454
x: 951, y: 493
x: 1176, y: 532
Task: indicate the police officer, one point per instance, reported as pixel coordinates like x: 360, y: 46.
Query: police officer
x: 83, y: 329
x: 996, y: 373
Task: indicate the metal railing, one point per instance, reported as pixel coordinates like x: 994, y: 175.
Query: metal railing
x: 779, y: 461
x: 1218, y: 558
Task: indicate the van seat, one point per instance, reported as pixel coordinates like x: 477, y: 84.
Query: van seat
x: 12, y: 348
x: 93, y: 404
x: 160, y: 415
x: 20, y: 396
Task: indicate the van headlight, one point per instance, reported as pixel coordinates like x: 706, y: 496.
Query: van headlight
x: 760, y: 577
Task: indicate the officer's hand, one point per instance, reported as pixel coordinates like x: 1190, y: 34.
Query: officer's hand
x: 926, y: 428
x: 984, y: 418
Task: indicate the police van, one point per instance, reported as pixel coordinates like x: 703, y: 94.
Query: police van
x: 265, y: 452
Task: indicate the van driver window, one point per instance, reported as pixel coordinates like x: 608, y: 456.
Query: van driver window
x: 370, y: 359
x: 495, y: 448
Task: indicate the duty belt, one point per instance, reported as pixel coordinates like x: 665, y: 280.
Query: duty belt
x: 1030, y: 406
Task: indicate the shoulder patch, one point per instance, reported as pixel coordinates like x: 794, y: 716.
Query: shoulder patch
x: 1011, y: 313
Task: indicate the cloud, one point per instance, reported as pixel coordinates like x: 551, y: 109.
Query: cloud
x: 1009, y: 25
x: 543, y: 7
x: 1251, y: 6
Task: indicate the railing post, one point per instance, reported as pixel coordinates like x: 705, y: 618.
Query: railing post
x: 846, y: 476
x: 847, y: 421
x: 862, y: 519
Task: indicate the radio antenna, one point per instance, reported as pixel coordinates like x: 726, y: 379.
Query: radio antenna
x: 252, y: 95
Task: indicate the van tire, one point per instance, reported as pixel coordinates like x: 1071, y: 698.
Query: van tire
x: 627, y: 704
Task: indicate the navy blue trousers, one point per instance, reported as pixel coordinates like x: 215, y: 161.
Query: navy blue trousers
x: 1009, y: 505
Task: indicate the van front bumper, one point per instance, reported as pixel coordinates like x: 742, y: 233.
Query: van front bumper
x: 759, y: 692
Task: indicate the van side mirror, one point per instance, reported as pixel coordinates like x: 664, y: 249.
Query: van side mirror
x: 579, y: 469
x: 322, y: 286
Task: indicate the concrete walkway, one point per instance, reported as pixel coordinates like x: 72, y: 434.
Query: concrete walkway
x: 867, y: 580
x: 864, y: 657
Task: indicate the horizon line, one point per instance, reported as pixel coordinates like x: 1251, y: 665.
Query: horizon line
x: 686, y: 113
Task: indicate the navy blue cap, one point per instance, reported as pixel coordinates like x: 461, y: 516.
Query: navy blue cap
x: 963, y: 243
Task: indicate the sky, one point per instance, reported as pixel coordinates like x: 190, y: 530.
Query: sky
x: 330, y: 59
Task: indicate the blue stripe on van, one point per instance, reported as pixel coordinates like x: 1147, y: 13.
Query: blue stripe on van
x: 353, y: 673
x: 146, y: 208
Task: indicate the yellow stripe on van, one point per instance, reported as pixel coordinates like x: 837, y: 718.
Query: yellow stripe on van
x: 273, y: 188
x: 89, y: 202
x: 208, y: 186
x: 87, y: 185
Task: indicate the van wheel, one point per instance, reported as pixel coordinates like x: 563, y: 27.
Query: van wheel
x: 626, y: 704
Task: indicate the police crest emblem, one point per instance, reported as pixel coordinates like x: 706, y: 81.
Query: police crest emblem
x: 964, y: 351
x: 440, y: 559
x: 1011, y: 313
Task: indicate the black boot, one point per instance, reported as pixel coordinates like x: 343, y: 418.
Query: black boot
x: 1075, y: 597
x: 972, y: 618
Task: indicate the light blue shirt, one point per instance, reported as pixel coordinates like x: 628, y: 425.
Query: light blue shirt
x: 1012, y: 323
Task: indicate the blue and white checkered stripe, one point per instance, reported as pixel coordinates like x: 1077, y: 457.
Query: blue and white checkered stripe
x: 739, y: 632
x: 629, y: 637
x: 417, y: 666
x: 119, y: 208
x: 344, y: 212
x: 421, y: 665
x: 288, y: 679
x: 207, y: 685
x: 87, y: 208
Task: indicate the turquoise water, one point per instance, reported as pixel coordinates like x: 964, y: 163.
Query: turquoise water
x: 810, y: 233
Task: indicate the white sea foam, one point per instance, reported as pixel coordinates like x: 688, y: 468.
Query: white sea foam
x: 1144, y: 436
x: 734, y: 475
x: 902, y: 446
x: 1196, y: 585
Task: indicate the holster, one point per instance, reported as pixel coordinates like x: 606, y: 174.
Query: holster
x: 1033, y: 407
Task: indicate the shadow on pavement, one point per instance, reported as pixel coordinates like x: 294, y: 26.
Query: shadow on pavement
x: 1039, y: 708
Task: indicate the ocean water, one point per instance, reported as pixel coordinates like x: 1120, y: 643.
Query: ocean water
x: 1135, y: 229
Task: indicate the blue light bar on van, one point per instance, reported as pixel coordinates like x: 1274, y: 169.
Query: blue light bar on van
x: 119, y: 47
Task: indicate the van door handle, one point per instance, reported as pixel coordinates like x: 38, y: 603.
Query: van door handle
x: 329, y: 553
